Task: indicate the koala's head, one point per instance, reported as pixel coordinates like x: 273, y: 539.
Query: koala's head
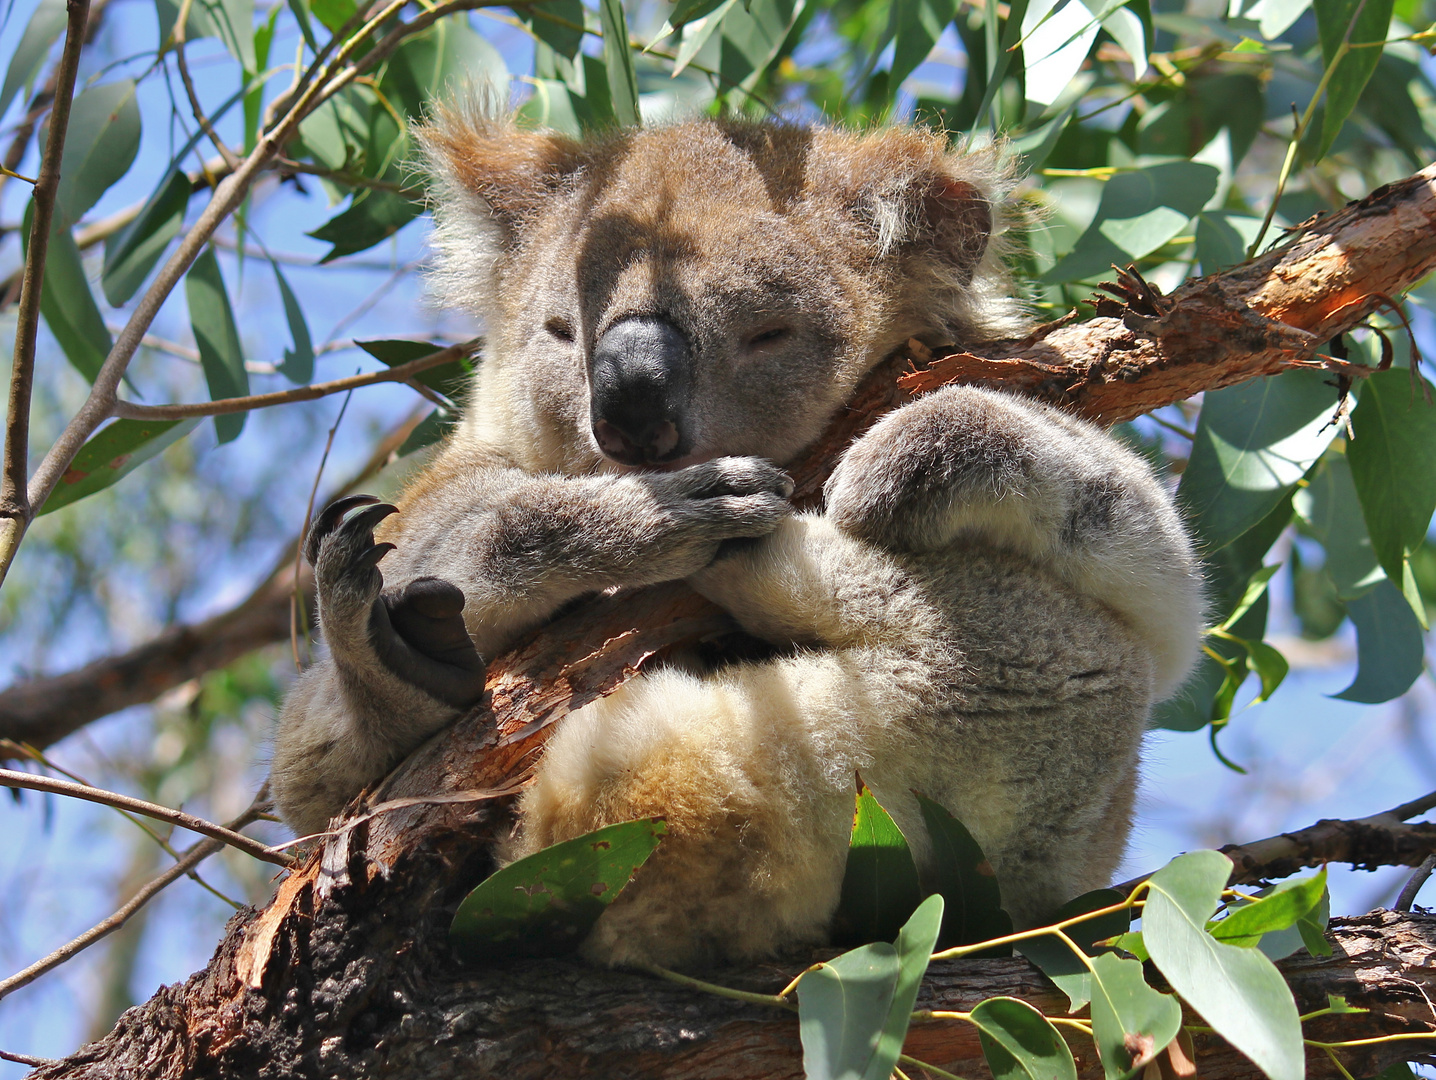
x: 665, y: 296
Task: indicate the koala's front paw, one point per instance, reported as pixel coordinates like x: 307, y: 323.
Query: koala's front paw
x: 416, y: 632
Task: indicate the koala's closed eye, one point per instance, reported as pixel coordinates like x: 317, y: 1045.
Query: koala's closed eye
x: 560, y: 328
x: 768, y: 336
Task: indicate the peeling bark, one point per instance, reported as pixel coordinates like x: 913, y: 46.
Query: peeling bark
x: 347, y: 972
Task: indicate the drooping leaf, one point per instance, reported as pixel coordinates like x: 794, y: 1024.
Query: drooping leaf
x: 429, y: 66
x: 919, y: 24
x: 333, y: 14
x: 372, y: 216
x: 1139, y: 212
x: 67, y: 303
x: 132, y: 253
x: 233, y: 23
x: 880, y: 883
x: 697, y: 31
x: 1281, y: 909
x: 1055, y: 42
x: 618, y: 62
x: 298, y: 366
x: 1058, y: 962
x: 217, y: 338
x: 41, y: 32
x: 915, y: 943
x: 1020, y: 1043
x: 1255, y: 590
x: 1366, y: 21
x: 843, y: 1009
x: 1393, y: 465
x: 1332, y: 510
x: 113, y: 452
x: 1254, y: 442
x: 1127, y: 31
x: 545, y: 904
x: 1239, y: 992
x: 753, y: 37
x: 966, y: 881
x: 558, y: 24
x: 1131, y: 1022
x: 101, y: 141
x: 1389, y: 646
x: 449, y: 379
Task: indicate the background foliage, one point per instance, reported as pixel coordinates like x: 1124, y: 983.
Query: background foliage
x: 1160, y: 132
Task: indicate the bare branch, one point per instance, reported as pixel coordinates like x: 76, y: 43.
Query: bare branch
x: 191, y: 858
x: 177, y: 36
x: 399, y: 373
x: 12, y: 779
x: 16, y: 508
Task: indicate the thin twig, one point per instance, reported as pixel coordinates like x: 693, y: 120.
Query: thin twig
x: 177, y: 35
x: 192, y: 857
x: 400, y: 373
x: 16, y: 507
x: 14, y: 779
x: 1413, y: 884
x: 27, y: 1060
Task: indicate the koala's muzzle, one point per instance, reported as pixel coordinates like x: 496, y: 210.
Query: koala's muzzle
x: 640, y: 380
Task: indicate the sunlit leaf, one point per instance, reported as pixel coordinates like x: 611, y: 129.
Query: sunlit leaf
x: 1223, y: 239
x: 545, y: 904
x: 101, y: 142
x: 965, y: 879
x: 1127, y: 31
x: 880, y: 884
x: 114, y: 452
x: 1254, y: 442
x: 1020, y: 1043
x: 1057, y: 960
x: 697, y: 32
x: 1332, y: 510
x: 618, y: 61
x: 843, y: 1009
x: 1140, y: 211
x: 1255, y: 590
x: 41, y: 32
x: 1366, y: 22
x: 1281, y: 909
x: 1131, y: 1022
x: 1237, y: 991
x: 132, y: 253
x: 217, y: 338
x: 1390, y: 649
x: 1055, y: 41
x: 753, y: 37
x: 449, y: 55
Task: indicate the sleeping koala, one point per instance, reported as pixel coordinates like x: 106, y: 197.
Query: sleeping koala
x: 992, y: 600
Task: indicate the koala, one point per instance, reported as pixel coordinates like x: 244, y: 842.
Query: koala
x: 984, y: 611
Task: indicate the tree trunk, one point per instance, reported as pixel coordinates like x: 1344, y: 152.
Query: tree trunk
x: 348, y: 973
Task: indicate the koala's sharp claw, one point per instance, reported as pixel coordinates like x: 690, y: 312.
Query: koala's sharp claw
x: 363, y: 522
x: 374, y: 554
x: 328, y: 520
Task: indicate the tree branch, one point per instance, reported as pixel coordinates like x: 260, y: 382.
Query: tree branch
x: 16, y: 508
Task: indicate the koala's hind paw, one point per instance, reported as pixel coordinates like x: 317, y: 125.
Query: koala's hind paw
x: 417, y: 632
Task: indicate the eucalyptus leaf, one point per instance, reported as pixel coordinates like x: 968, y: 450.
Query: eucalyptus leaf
x: 372, y: 217
x: 618, y: 62
x: 557, y: 23
x: 298, y: 365
x: 1331, y: 509
x: 1056, y: 958
x: 697, y: 31
x: 1139, y: 212
x: 545, y: 904
x: 1254, y: 441
x: 1131, y: 1022
x: 843, y: 1009
x: 1020, y: 1043
x: 753, y: 37
x: 880, y: 883
x: 113, y: 452
x: 101, y: 142
x: 1357, y: 22
x: 965, y: 880
x: 46, y: 25
x: 217, y: 338
x: 1055, y: 42
x: 1390, y: 649
x: 67, y: 303
x: 1237, y: 991
x: 1282, y: 908
x: 132, y: 253
x: 919, y: 24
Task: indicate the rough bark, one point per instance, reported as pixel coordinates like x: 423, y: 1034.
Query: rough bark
x: 347, y: 972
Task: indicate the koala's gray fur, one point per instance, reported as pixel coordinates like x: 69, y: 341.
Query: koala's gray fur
x: 985, y: 612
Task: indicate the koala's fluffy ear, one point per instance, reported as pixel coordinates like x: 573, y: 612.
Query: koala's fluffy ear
x: 913, y: 195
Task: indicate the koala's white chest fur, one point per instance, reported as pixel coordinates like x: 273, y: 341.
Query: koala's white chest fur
x: 985, y: 610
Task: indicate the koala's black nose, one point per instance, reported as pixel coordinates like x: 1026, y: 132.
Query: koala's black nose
x: 640, y: 378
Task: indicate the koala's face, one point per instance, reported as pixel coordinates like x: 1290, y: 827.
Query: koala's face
x: 674, y: 295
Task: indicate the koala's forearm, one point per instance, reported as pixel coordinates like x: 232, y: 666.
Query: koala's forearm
x: 339, y: 731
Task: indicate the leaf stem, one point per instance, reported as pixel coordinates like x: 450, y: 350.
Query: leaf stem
x: 1041, y: 931
x: 722, y: 991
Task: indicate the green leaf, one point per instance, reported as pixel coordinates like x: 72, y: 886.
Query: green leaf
x: 880, y: 883
x: 66, y: 301
x: 545, y: 904
x: 115, y: 451
x: 965, y: 879
x: 1058, y: 962
x: 298, y: 366
x: 1333, y: 21
x: 1275, y: 17
x: 1282, y: 908
x: 100, y: 145
x: 41, y: 32
x: 1254, y: 442
x: 1332, y: 511
x: 1270, y: 666
x: 1255, y: 590
x: 233, y: 23
x: 1389, y: 646
x: 558, y: 24
x: 1393, y: 465
x: 1127, y: 31
x: 843, y: 1008
x: 1055, y: 42
x: 618, y: 60
x: 914, y: 945
x: 132, y: 253
x: 1131, y: 1022
x: 373, y: 216
x: 333, y: 14
x: 429, y: 65
x: 1238, y: 991
x: 212, y: 320
x: 1020, y: 1043
x: 697, y: 32
x: 1139, y: 212
x: 429, y: 431
x: 1312, y: 928
x: 919, y: 24
x: 1223, y: 239
x: 1131, y: 942
x: 753, y: 38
